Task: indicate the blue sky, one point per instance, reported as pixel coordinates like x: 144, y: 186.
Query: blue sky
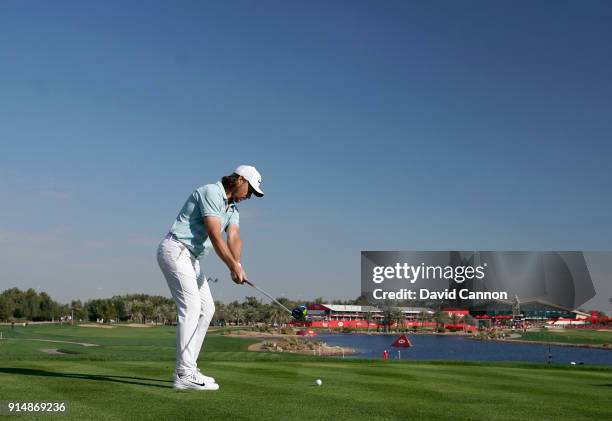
x: 376, y: 125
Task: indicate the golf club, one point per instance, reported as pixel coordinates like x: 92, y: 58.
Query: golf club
x: 268, y: 295
x: 298, y: 313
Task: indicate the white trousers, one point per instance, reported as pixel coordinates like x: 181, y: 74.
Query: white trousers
x: 194, y: 303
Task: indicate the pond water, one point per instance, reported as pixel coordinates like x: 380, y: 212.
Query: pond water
x: 434, y: 347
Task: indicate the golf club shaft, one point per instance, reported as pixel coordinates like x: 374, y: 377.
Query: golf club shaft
x: 268, y: 295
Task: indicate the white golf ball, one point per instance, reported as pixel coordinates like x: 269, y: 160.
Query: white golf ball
x: 318, y: 382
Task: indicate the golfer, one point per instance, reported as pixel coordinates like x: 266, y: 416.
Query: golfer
x: 208, y: 212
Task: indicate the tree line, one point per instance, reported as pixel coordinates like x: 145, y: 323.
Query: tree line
x: 18, y: 305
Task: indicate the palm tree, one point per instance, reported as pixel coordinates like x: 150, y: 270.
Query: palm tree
x: 148, y: 311
x: 221, y: 313
x: 422, y: 316
x: 251, y: 308
x: 387, y: 316
x: 441, y: 318
x: 168, y: 313
x: 238, y: 314
x: 398, y: 318
x: 137, y: 310
x: 277, y: 316
x: 158, y: 313
x: 368, y: 318
x: 77, y: 310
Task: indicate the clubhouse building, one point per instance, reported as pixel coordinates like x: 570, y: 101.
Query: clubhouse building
x: 531, y: 311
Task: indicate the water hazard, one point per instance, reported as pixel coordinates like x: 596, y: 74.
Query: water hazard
x: 433, y: 347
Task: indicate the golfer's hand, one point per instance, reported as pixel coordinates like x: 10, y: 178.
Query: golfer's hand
x: 238, y: 274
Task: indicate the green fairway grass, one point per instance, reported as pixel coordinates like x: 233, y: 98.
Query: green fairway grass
x: 570, y: 336
x: 129, y: 377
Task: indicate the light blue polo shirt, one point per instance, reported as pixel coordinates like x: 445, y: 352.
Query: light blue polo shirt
x: 208, y: 200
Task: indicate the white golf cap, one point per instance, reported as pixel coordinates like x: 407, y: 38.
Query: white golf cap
x: 251, y: 175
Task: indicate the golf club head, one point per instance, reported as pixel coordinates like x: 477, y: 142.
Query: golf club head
x: 299, y: 313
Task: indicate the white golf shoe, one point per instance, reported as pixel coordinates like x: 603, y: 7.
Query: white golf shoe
x: 194, y: 381
x: 201, y: 377
x: 205, y: 378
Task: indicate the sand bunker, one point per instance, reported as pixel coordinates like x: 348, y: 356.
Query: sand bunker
x: 101, y: 326
x: 97, y: 326
x: 53, y: 351
x: 61, y: 342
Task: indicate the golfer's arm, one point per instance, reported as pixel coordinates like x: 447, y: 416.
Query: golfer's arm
x: 213, y: 226
x: 234, y: 242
